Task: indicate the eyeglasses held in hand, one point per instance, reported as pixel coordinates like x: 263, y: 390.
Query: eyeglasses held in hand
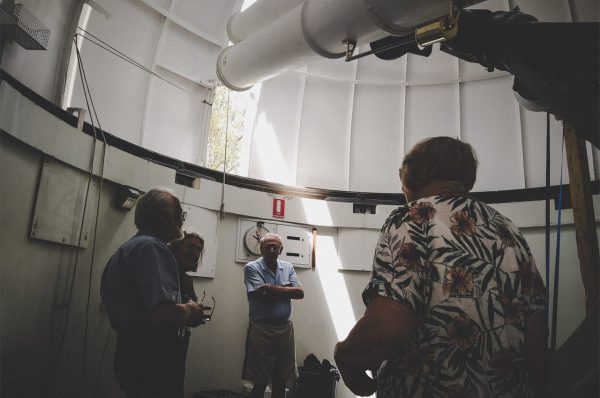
x: 207, y: 318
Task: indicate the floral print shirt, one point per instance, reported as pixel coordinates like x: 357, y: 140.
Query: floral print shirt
x: 469, y: 275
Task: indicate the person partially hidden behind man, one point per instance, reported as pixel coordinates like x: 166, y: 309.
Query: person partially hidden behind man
x: 140, y: 291
x: 455, y: 305
x: 270, y: 350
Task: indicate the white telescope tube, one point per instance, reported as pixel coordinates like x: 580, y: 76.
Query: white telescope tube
x: 259, y: 14
x: 320, y: 27
x: 265, y: 54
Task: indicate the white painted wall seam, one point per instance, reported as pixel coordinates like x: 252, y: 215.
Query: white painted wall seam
x: 297, y: 135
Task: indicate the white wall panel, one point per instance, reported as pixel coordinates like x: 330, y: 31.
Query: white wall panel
x: 336, y: 68
x: 322, y: 148
x: 187, y: 54
x: 430, y: 111
x: 490, y: 122
x: 119, y: 88
x: 438, y: 67
x: 356, y: 248
x: 534, y: 149
x: 373, y: 69
x: 174, y: 122
x: 376, y: 140
x: 274, y: 150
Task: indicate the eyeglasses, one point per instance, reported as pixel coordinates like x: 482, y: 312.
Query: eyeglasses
x: 207, y: 318
x: 183, y: 215
x: 271, y: 247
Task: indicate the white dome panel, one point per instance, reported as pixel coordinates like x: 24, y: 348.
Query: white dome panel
x: 376, y: 140
x: 439, y: 67
x: 534, y: 149
x: 431, y: 111
x: 323, y: 144
x: 187, y: 54
x: 173, y: 122
x: 490, y: 122
x: 208, y: 16
x: 333, y: 68
x: 274, y: 150
x: 119, y: 88
x: 379, y: 71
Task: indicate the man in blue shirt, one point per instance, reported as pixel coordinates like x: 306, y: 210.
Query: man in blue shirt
x: 270, y: 351
x: 141, y: 294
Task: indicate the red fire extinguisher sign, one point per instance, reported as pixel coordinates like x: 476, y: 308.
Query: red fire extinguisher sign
x: 278, y: 208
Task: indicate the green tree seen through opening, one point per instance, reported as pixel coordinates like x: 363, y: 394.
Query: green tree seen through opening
x: 219, y: 133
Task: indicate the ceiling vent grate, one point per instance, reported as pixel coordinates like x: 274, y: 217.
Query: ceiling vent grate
x: 20, y: 25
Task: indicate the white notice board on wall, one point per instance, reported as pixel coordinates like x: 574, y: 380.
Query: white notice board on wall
x: 60, y: 206
x: 356, y: 248
x: 206, y: 223
x: 297, y: 241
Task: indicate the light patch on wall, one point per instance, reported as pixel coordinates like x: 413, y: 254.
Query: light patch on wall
x: 316, y: 212
x: 267, y: 149
x: 334, y: 287
x: 246, y: 4
x: 333, y: 283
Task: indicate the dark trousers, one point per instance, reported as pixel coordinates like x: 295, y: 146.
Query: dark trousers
x: 150, y: 361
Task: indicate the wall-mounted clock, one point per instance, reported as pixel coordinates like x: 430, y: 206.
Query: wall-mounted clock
x: 253, y: 236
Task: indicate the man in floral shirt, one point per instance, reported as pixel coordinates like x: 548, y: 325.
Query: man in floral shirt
x: 455, y: 305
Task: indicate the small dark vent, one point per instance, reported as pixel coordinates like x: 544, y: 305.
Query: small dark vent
x: 363, y: 208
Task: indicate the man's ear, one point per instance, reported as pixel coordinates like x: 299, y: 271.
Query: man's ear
x: 280, y: 249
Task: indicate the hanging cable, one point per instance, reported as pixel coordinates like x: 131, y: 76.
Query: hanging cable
x: 99, y: 368
x: 93, y: 114
x: 75, y: 265
x: 107, y: 47
x: 101, y: 181
x: 557, y: 259
x: 222, y: 208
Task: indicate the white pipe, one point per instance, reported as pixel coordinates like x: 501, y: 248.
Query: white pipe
x: 319, y: 27
x: 259, y: 14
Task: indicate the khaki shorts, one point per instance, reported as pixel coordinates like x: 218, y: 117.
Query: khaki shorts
x: 270, y: 352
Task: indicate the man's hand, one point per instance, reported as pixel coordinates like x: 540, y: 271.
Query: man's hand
x: 264, y: 290
x: 270, y: 291
x: 171, y: 312
x: 197, y: 318
x: 194, y: 308
x: 379, y: 335
x: 355, y: 379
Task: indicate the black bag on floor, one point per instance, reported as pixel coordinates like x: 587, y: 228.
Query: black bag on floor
x: 317, y: 380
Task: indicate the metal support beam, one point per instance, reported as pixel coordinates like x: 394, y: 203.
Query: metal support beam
x: 583, y: 214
